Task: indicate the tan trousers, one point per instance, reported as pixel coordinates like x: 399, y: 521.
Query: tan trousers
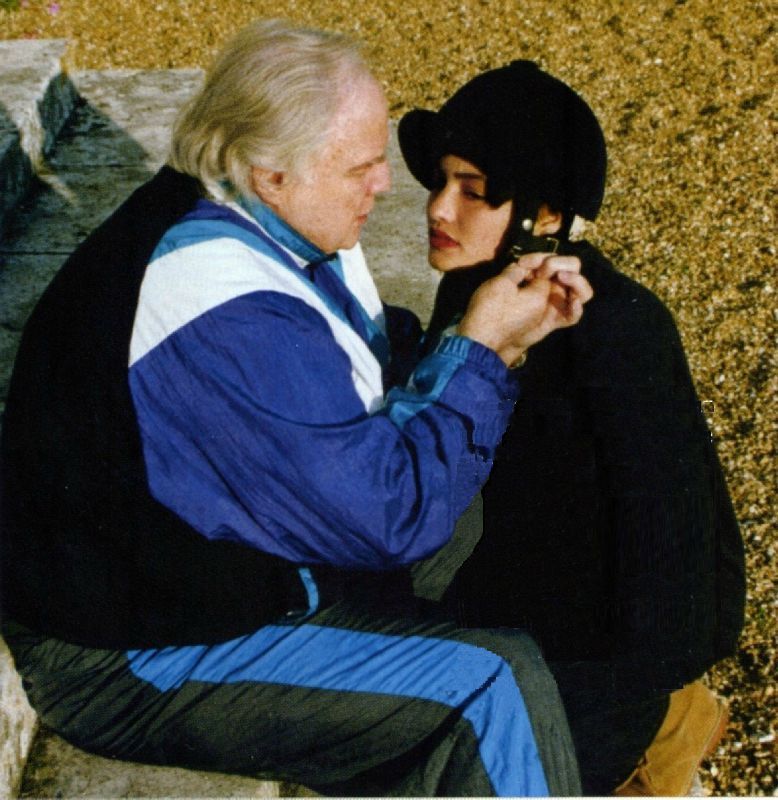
x: 695, y: 722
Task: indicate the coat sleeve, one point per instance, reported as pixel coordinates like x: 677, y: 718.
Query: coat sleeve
x: 253, y: 431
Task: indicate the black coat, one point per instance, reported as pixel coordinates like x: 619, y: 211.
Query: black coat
x: 608, y: 530
x: 86, y: 553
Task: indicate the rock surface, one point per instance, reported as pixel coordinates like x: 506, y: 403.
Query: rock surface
x: 35, y: 100
x: 17, y: 725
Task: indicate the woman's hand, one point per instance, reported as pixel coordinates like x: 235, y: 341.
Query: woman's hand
x: 524, y: 303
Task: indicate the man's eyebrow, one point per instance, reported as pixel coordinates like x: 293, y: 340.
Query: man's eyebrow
x: 366, y: 164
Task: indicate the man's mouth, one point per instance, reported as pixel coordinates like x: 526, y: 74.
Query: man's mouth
x: 440, y: 240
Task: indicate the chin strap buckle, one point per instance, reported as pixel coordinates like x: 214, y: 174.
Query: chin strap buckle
x: 533, y: 244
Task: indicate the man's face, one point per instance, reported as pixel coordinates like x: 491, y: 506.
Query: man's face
x: 330, y: 202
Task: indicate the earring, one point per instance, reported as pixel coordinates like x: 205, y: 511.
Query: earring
x: 527, y: 224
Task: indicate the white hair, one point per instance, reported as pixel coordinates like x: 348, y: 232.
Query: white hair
x: 268, y: 100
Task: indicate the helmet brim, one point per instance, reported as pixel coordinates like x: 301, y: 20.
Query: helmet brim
x: 419, y: 137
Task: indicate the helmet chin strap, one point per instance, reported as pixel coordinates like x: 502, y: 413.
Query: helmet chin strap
x: 519, y: 238
x: 527, y: 242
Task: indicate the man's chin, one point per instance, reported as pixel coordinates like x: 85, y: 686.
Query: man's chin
x: 350, y: 243
x: 352, y: 240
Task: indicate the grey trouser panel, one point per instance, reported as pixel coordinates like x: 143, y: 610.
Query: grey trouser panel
x: 345, y: 702
x: 434, y: 575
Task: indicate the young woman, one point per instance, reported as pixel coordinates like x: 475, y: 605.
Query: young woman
x: 608, y: 531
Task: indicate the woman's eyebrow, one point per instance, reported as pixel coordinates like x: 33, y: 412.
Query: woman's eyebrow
x: 470, y: 176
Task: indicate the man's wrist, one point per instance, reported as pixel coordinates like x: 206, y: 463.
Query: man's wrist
x: 508, y: 355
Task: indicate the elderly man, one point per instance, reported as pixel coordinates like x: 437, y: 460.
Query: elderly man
x: 211, y: 499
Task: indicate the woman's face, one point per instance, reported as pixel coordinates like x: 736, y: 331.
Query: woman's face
x: 464, y: 230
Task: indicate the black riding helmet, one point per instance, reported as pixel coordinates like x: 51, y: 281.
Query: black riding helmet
x: 534, y: 138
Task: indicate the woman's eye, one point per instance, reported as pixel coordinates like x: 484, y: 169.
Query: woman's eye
x: 471, y: 194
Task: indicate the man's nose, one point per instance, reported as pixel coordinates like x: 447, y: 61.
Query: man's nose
x: 382, y: 178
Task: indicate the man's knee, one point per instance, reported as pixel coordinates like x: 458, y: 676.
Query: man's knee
x: 523, y: 655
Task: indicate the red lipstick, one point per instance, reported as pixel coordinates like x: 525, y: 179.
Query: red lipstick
x: 440, y: 240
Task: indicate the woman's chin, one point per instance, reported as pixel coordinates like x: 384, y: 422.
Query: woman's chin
x: 445, y: 262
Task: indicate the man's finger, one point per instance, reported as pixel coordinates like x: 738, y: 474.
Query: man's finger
x: 568, y: 308
x: 550, y: 265
x: 517, y: 272
x: 576, y: 284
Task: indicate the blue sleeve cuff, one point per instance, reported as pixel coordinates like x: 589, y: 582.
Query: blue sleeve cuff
x: 482, y: 360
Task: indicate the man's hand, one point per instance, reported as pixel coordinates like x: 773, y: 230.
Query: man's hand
x: 525, y: 302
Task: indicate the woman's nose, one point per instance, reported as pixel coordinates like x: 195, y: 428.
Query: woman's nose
x: 439, y: 205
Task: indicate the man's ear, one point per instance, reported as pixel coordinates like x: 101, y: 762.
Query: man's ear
x: 548, y: 221
x: 267, y: 183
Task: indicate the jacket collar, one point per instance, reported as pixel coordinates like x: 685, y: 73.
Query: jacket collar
x: 282, y: 231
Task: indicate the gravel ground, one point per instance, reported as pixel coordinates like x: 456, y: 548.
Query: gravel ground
x: 685, y: 92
